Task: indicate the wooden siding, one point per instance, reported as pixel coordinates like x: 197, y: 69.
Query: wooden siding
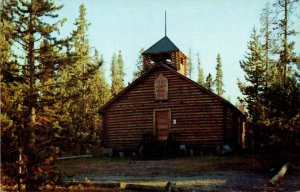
x: 201, y: 117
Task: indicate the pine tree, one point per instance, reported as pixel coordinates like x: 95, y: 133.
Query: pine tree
x: 285, y: 50
x: 48, y: 71
x: 279, y: 111
x: 255, y: 76
x: 267, y: 41
x: 139, y: 66
x: 98, y: 95
x: 80, y: 36
x: 280, y: 117
x: 80, y: 92
x: 190, y: 64
x: 219, y: 77
x: 272, y: 91
x: 81, y: 67
x: 37, y: 127
x: 200, y: 80
x: 11, y: 105
x: 114, y: 75
x: 209, y: 82
x: 121, y: 71
x: 254, y: 69
x: 117, y: 74
x: 103, y: 91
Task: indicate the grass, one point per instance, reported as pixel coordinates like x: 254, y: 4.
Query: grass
x: 156, y: 173
x: 179, y: 170
x: 188, y: 166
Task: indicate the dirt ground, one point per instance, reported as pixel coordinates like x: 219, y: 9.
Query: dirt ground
x: 208, y: 173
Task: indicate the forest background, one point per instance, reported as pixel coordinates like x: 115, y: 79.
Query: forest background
x: 52, y: 85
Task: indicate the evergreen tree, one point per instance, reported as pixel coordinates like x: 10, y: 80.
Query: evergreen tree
x: 82, y: 67
x: 80, y: 36
x: 48, y: 73
x: 115, y: 87
x: 254, y: 69
x: 209, y: 82
x: 285, y: 50
x: 37, y: 127
x: 200, y: 80
x: 281, y: 114
x: 272, y: 91
x: 267, y: 41
x: 79, y: 92
x: 280, y: 109
x: 139, y: 66
x: 103, y: 91
x: 11, y: 105
x: 98, y: 94
x: 117, y: 74
x: 121, y: 71
x: 219, y: 76
x: 190, y: 64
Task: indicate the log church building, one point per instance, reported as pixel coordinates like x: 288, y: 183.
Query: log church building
x: 163, y: 107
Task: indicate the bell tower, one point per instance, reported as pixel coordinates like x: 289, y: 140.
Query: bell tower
x: 166, y: 52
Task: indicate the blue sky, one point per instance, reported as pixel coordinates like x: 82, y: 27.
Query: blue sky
x: 205, y: 27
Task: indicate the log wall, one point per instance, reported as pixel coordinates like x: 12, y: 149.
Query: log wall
x: 201, y: 117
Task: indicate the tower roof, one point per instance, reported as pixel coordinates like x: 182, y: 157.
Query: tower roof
x: 163, y: 45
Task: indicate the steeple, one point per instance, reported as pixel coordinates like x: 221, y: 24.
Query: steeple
x: 165, y: 51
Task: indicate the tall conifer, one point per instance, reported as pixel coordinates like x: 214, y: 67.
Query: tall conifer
x: 267, y: 41
x: 117, y: 74
x: 80, y: 75
x: 121, y: 71
x: 114, y: 76
x: 254, y: 69
x: 209, y: 82
x: 219, y: 76
x: 139, y: 65
x: 200, y: 79
x: 190, y: 66
x: 37, y: 126
x: 285, y: 47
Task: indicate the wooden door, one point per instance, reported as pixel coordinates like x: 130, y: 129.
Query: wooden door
x: 162, y: 119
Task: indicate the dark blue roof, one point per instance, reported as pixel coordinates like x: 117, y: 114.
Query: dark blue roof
x: 163, y: 45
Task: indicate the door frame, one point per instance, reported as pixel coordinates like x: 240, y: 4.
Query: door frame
x: 154, y: 120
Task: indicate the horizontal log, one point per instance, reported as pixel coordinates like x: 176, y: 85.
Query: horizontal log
x: 74, y: 157
x: 138, y: 187
x: 279, y: 175
x: 133, y: 105
x: 198, y: 136
x: 184, y: 123
x: 187, y: 117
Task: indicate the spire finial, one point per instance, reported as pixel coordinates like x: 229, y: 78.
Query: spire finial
x: 165, y: 23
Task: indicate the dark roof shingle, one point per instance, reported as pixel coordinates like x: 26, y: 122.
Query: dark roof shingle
x: 163, y: 45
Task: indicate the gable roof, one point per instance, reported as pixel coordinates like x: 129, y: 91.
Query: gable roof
x: 157, y: 65
x: 163, y: 45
